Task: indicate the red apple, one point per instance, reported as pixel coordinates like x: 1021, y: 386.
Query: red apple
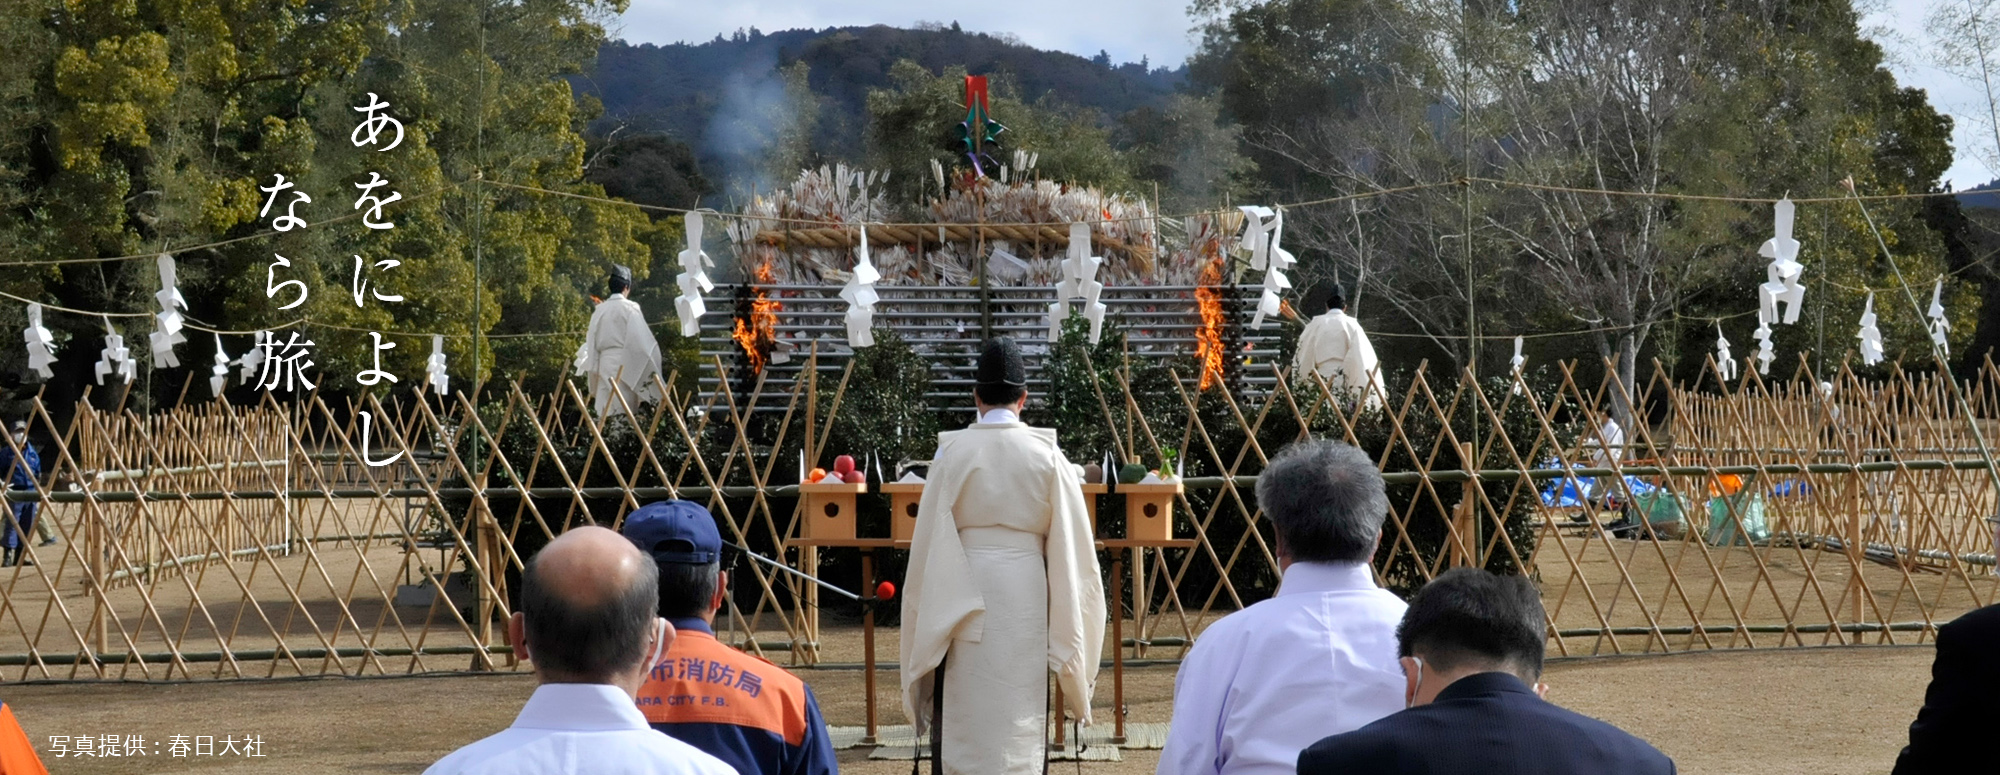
x: 844, y: 464
x: 855, y: 477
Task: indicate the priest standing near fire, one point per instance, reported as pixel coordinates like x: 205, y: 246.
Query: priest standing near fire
x: 1003, y: 585
x: 619, y: 351
x: 1334, y: 347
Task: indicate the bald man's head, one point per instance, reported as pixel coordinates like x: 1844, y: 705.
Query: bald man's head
x: 588, y: 599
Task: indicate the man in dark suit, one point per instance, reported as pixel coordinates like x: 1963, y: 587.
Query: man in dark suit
x: 1471, y: 646
x: 1954, y: 730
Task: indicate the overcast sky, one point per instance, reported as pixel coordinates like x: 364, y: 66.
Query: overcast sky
x: 1158, y: 30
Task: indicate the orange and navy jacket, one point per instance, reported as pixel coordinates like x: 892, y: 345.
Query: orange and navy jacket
x: 736, y: 707
x: 17, y: 754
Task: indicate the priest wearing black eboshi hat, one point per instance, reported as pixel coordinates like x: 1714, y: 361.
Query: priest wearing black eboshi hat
x: 1002, y: 585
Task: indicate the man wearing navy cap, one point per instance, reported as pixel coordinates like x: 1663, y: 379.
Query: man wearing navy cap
x: 734, y: 706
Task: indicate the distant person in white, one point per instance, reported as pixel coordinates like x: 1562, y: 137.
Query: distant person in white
x: 1317, y: 659
x: 589, y: 622
x: 1335, y: 347
x: 619, y: 352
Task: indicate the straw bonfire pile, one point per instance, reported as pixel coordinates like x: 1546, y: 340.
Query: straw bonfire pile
x: 808, y: 232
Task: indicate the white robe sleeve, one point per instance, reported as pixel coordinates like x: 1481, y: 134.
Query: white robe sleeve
x: 939, y: 596
x: 1076, y: 592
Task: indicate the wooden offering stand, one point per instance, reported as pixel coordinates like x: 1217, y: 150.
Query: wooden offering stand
x: 1149, y: 524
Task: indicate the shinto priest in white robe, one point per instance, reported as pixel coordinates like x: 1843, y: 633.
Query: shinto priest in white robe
x: 1334, y: 347
x: 1003, y: 587
x: 619, y: 351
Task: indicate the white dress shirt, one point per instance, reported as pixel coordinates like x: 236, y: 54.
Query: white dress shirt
x: 579, y: 728
x: 1263, y: 683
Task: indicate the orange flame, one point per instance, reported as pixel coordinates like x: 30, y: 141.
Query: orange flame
x: 1208, y: 340
x: 760, y: 332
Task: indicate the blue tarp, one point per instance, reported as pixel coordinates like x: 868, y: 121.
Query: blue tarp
x: 1579, y: 491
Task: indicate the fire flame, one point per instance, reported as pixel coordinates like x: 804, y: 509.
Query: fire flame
x: 759, y: 331
x: 1208, y: 340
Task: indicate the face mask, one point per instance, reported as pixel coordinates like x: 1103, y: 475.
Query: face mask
x: 659, y: 642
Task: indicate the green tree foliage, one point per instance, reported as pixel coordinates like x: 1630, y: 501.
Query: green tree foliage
x: 150, y: 125
x: 1348, y: 96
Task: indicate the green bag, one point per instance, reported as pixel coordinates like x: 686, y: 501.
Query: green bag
x: 1749, y: 507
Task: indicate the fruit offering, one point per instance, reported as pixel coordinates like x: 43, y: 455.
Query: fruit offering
x: 816, y: 475
x: 854, y: 477
x: 844, y: 465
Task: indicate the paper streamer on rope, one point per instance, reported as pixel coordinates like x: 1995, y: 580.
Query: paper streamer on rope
x: 434, y: 373
x: 169, y: 321
x: 1263, y: 229
x: 218, y: 371
x: 1518, y: 362
x: 861, y: 297
x: 41, y: 343
x: 1725, y: 363
x: 115, y: 358
x: 252, y: 361
x: 1870, y: 336
x: 693, y: 279
x: 1079, y: 279
x: 1782, y: 275
x: 1765, y: 353
x: 1940, y: 328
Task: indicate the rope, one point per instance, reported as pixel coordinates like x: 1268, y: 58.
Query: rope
x: 232, y: 241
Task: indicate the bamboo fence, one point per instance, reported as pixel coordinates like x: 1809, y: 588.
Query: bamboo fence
x: 222, y: 541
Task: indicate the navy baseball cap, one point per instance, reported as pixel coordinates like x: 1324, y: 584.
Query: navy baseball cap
x: 675, y: 531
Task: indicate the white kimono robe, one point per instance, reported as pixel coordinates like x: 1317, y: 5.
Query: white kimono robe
x: 1334, y: 347
x: 1003, y: 579
x: 619, y: 350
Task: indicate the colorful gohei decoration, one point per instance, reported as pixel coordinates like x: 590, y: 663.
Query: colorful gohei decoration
x: 979, y: 134
x: 1079, y: 280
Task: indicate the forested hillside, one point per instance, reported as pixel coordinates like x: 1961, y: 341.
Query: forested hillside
x: 728, y: 98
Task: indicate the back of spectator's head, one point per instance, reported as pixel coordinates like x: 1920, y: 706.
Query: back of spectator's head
x: 587, y: 605
x: 1467, y: 619
x: 1326, y: 501
x: 682, y: 539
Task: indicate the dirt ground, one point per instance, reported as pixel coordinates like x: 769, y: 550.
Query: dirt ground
x: 1825, y: 711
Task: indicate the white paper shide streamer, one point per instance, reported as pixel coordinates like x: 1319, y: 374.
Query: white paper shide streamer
x: 1940, y: 328
x: 860, y: 295
x: 1763, y: 336
x: 1782, y: 275
x: 1263, y: 228
x: 434, y: 373
x: 1870, y: 336
x: 218, y: 371
x: 1725, y: 363
x: 1079, y: 280
x: 115, y: 358
x: 252, y: 362
x: 167, y: 333
x: 41, y: 344
x: 1518, y: 362
x: 693, y: 279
